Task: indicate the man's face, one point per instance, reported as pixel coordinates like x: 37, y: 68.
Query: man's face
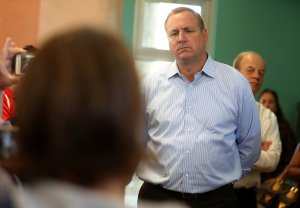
x: 186, y: 39
x: 253, y: 68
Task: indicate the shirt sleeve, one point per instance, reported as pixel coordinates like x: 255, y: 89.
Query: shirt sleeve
x: 269, y: 159
x: 248, y: 130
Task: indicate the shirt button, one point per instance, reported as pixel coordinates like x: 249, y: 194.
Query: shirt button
x: 187, y: 151
x: 187, y: 175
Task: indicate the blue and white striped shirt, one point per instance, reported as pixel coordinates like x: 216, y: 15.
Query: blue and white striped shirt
x: 203, y: 134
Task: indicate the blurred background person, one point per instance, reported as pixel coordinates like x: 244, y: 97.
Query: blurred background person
x: 283, y: 190
x: 6, y: 80
x: 8, y: 101
x: 269, y: 99
x: 9, y: 50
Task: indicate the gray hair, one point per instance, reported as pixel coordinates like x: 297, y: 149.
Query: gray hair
x: 238, y: 58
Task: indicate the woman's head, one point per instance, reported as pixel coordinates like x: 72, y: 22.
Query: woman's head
x: 78, y: 109
x: 270, y: 100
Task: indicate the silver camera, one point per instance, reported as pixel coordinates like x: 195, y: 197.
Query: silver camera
x: 21, y: 62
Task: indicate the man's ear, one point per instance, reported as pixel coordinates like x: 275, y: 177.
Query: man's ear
x: 205, y: 34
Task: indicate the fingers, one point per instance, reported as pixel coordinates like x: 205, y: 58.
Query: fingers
x: 8, y: 52
x: 6, y: 46
x: 10, y: 49
x: 266, y: 145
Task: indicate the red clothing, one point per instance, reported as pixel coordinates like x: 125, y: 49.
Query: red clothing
x: 8, y: 104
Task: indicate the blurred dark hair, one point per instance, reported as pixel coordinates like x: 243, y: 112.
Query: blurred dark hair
x: 79, y: 106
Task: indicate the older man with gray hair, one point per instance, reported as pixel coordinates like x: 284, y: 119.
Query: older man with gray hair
x: 252, y: 66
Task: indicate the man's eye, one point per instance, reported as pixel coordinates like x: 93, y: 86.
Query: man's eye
x: 173, y: 34
x: 250, y: 69
x: 262, y: 73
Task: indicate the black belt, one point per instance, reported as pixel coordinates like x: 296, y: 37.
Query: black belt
x: 176, y: 194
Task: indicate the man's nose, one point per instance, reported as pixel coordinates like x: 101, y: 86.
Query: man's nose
x: 181, y: 36
x: 255, y: 74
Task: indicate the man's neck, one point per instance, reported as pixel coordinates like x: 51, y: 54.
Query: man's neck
x: 190, y: 68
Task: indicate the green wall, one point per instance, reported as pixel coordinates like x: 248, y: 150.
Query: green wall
x: 128, y: 21
x: 270, y: 27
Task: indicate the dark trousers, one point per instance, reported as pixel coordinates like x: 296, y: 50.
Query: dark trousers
x: 246, y: 197
x: 223, y: 197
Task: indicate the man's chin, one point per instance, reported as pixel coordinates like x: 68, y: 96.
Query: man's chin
x: 184, y: 56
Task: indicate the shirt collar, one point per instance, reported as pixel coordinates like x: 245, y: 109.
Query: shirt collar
x: 173, y: 70
x: 208, y: 69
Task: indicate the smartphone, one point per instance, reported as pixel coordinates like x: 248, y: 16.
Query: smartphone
x: 21, y: 63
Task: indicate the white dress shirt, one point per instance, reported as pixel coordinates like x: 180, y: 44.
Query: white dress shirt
x: 268, y: 159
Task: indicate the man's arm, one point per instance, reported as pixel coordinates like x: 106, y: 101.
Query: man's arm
x: 248, y: 130
x: 269, y: 157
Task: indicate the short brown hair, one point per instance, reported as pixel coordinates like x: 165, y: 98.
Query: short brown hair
x: 184, y: 9
x: 79, y: 106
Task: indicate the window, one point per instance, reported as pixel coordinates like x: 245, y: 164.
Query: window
x: 151, y: 47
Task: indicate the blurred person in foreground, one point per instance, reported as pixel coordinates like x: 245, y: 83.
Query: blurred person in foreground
x: 7, y: 79
x: 269, y: 99
x: 202, y: 122
x: 252, y: 66
x: 79, y: 107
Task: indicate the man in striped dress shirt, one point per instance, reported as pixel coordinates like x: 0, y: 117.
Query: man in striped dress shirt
x: 202, y: 123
